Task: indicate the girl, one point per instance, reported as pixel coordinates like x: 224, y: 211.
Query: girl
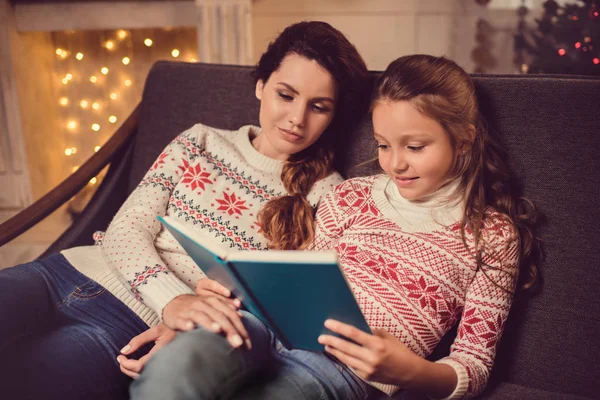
x: 64, y: 318
x: 425, y: 246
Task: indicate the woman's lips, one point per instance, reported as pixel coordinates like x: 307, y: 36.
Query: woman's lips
x: 289, y: 135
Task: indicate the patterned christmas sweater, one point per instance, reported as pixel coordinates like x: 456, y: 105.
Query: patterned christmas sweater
x: 213, y: 180
x: 413, y: 276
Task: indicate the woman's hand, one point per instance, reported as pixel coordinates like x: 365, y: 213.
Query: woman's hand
x: 212, y: 312
x: 379, y: 357
x: 209, y: 287
x: 159, y: 334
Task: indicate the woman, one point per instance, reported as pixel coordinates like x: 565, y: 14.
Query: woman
x: 65, y: 318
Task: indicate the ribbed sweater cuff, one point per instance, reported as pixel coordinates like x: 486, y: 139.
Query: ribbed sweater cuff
x: 462, y: 383
x: 159, y: 291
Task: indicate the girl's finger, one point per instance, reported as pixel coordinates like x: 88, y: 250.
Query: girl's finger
x: 349, y: 348
x: 352, y: 333
x: 360, y: 366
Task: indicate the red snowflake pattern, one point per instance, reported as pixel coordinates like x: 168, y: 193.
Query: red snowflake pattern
x: 160, y: 161
x: 196, y: 177
x: 231, y: 204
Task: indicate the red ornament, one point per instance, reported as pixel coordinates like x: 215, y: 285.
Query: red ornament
x: 593, y: 14
x: 577, y: 45
x: 561, y: 52
x: 596, y: 60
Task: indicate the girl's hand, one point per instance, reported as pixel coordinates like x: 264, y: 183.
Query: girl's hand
x: 159, y: 334
x: 379, y: 357
x: 209, y: 287
x: 212, y: 312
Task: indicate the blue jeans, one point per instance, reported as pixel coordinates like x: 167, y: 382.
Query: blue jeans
x: 60, y: 334
x: 201, y: 365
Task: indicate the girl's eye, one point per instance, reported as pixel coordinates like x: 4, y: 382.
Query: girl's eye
x: 285, y: 97
x: 382, y: 146
x: 415, y: 148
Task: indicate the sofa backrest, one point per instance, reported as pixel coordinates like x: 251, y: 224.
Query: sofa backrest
x: 550, y: 128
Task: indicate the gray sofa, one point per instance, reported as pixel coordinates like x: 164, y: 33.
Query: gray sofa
x: 550, y: 126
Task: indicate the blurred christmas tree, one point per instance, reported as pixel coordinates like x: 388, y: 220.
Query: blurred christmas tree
x: 566, y: 41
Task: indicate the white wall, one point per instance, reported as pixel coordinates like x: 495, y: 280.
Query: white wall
x: 383, y: 30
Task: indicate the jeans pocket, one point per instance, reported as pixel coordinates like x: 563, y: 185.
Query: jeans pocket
x: 88, y: 290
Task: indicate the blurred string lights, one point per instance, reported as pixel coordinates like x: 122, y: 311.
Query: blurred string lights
x: 100, y: 77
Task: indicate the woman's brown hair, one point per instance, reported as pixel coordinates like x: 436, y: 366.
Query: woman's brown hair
x: 443, y: 91
x: 288, y: 221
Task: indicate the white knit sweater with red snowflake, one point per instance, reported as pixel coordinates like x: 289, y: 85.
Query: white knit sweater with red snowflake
x: 413, y: 276
x: 213, y: 180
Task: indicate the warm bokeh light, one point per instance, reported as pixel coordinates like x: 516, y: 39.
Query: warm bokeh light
x: 112, y: 119
x: 95, y: 127
x: 148, y: 42
x: 113, y: 96
x: 95, y: 106
x: 83, y: 104
x: 79, y: 56
x: 126, y: 60
x: 175, y: 53
x: 63, y: 101
x: 96, y: 149
x: 64, y: 81
x: 93, y: 79
x: 72, y: 124
x: 121, y: 34
x: 93, y: 180
x: 109, y: 44
x: 104, y: 70
x: 127, y: 82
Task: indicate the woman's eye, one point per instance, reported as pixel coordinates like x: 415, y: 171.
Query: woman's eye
x: 320, y: 109
x: 285, y: 97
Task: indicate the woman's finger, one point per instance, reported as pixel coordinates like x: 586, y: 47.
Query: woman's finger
x: 229, y: 320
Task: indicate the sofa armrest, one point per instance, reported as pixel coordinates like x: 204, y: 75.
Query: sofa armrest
x: 70, y: 186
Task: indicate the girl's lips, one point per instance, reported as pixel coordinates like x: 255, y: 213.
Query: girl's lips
x: 290, y: 136
x: 401, y: 181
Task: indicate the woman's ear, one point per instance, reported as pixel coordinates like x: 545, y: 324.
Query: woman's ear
x: 259, y: 89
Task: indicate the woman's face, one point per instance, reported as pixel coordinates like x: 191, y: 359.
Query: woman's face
x: 297, y: 104
x: 414, y: 150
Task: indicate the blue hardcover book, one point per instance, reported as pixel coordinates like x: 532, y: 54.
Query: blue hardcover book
x: 293, y: 292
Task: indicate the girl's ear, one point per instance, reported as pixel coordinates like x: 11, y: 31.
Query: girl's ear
x: 259, y: 89
x: 466, y: 145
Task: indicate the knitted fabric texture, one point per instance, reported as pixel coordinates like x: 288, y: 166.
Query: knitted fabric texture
x: 210, y: 179
x: 417, y: 282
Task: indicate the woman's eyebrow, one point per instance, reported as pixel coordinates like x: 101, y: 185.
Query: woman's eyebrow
x: 292, y: 89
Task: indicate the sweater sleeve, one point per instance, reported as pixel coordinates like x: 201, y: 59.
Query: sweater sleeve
x: 128, y: 244
x: 329, y: 220
x: 487, y: 304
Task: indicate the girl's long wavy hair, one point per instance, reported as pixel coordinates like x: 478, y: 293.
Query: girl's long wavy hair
x: 288, y: 221
x: 443, y: 91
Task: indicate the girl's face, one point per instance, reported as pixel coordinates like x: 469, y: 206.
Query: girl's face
x: 297, y: 104
x: 414, y: 150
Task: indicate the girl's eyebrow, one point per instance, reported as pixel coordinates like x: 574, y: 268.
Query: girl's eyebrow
x: 292, y: 89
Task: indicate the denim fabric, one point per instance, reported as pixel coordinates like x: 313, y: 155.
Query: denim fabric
x: 201, y: 365
x: 60, y: 334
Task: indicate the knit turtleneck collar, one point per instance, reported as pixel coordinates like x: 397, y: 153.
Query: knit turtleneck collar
x: 443, y: 207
